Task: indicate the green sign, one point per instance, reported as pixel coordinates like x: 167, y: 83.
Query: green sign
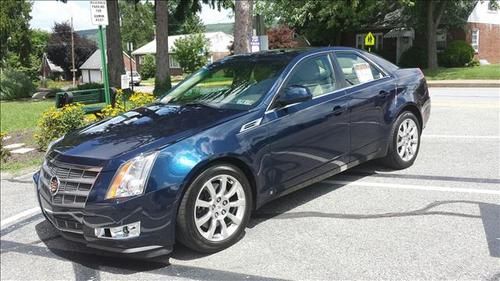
x: 369, y: 39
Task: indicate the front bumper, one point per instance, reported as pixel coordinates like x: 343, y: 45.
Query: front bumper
x: 78, y: 224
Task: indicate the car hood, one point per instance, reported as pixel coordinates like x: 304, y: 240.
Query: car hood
x: 140, y: 130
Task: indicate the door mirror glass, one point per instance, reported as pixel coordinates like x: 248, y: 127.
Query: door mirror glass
x: 293, y: 94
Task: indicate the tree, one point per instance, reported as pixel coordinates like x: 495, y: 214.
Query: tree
x: 281, y: 37
x: 39, y: 40
x: 192, y: 25
x: 162, y: 76
x: 14, y: 31
x: 59, y: 48
x: 114, y: 45
x: 137, y: 22
x: 429, y: 15
x: 242, y: 26
x: 191, y: 52
x: 324, y: 21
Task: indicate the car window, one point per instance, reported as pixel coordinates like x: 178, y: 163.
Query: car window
x: 238, y: 84
x: 356, y: 69
x: 316, y: 74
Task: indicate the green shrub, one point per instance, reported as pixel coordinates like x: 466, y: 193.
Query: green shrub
x: 54, y: 123
x: 4, y: 153
x: 473, y: 62
x: 148, y: 68
x: 457, y: 54
x: 125, y: 103
x: 414, y: 57
x: 86, y: 86
x: 191, y: 52
x: 15, y: 84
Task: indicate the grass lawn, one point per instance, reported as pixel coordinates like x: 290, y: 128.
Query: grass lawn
x: 483, y: 72
x: 20, y: 115
x: 19, y: 119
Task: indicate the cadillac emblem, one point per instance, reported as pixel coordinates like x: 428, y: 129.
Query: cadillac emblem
x: 54, y: 185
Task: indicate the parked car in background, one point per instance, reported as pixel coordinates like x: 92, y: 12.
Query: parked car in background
x: 232, y: 137
x: 135, y: 79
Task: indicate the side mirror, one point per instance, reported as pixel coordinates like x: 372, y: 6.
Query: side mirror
x: 293, y: 94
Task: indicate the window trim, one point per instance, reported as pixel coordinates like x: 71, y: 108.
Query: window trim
x: 476, y: 51
x: 334, y: 62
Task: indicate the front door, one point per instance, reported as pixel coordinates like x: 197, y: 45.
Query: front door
x: 311, y: 137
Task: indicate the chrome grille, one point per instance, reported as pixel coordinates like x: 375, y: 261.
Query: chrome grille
x: 76, y: 181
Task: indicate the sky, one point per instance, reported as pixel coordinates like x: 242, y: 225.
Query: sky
x: 46, y: 12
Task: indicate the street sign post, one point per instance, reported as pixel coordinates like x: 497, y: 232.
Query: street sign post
x: 99, y: 15
x: 369, y: 41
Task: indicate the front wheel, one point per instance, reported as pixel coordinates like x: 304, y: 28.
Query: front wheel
x: 405, y: 142
x: 214, y: 210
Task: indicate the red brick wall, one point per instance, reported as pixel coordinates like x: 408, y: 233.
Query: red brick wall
x: 489, y: 40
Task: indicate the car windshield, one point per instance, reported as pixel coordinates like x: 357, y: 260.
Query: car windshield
x: 234, y: 83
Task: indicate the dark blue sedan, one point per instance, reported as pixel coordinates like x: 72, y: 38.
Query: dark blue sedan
x: 231, y: 137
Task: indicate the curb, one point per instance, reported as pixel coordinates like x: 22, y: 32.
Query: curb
x: 462, y: 84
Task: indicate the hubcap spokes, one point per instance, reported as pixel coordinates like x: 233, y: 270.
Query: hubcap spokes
x: 219, y: 208
x: 407, y: 140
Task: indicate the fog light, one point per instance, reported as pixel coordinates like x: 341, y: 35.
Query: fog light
x: 119, y: 232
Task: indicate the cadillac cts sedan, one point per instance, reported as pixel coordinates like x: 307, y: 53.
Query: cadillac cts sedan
x: 238, y: 133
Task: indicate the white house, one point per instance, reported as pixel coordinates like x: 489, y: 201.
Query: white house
x: 219, y: 43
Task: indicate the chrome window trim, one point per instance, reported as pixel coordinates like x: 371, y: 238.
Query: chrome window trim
x: 382, y: 70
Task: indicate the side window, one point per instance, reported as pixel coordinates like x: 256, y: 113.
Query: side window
x: 356, y: 69
x: 316, y: 74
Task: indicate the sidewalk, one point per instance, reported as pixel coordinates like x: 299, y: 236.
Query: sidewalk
x: 464, y: 83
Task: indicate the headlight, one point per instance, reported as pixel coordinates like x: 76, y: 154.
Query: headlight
x: 131, y: 177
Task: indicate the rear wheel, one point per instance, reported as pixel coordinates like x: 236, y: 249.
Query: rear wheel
x: 214, y: 210
x: 405, y: 142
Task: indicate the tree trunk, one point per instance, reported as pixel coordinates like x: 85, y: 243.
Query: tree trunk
x: 242, y: 26
x: 435, y: 11
x: 162, y: 76
x: 114, y: 45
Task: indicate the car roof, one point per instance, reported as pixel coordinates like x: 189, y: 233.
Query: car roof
x: 294, y: 52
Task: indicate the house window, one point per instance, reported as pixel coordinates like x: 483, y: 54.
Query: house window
x: 475, y: 40
x: 379, y: 41
x: 173, y: 63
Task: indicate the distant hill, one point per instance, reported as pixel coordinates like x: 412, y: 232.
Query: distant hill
x: 224, y: 27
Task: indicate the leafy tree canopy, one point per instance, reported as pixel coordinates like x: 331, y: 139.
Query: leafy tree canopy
x: 59, y: 47
x: 14, y: 30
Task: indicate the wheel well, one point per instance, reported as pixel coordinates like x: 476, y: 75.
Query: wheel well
x: 413, y: 109
x: 240, y: 165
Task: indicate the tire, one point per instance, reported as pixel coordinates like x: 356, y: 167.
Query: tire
x: 396, y: 157
x: 232, y: 210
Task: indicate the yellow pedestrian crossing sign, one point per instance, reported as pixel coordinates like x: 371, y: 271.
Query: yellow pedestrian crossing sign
x: 369, y: 39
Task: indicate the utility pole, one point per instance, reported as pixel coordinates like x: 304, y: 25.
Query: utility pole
x: 130, y: 47
x: 73, y: 54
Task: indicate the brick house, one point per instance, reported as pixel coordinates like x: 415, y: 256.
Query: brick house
x: 482, y: 31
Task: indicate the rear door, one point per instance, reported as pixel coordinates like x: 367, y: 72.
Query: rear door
x: 370, y: 90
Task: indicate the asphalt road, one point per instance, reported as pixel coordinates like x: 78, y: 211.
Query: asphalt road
x: 439, y: 219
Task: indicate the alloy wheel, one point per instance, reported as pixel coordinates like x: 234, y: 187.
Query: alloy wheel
x: 407, y: 140
x: 219, y: 208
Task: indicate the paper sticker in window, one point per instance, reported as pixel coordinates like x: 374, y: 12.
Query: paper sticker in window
x: 363, y: 72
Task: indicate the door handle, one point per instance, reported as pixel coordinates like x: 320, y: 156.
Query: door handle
x: 338, y: 109
x: 383, y: 95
